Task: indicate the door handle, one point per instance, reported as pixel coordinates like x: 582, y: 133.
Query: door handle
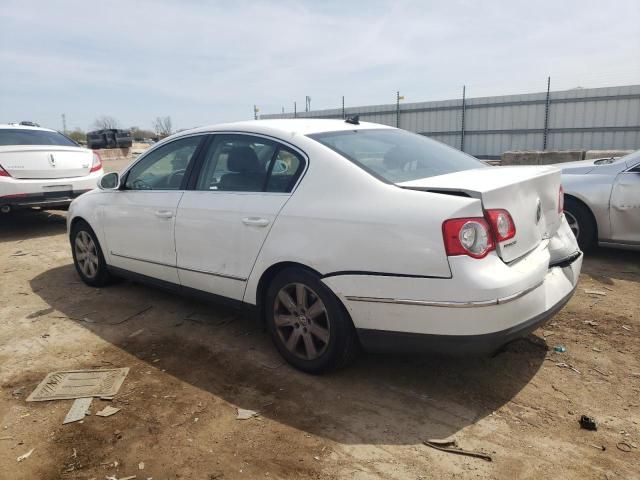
x: 255, y: 221
x: 164, y: 213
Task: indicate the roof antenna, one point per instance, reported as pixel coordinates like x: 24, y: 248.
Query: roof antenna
x: 355, y: 120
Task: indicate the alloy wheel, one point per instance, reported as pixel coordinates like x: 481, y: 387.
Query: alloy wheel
x: 86, y: 254
x: 573, y: 223
x: 301, y: 321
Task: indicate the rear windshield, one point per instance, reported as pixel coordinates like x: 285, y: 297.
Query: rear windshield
x: 396, y: 156
x: 11, y: 136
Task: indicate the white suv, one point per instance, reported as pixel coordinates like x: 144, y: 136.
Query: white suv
x: 43, y: 168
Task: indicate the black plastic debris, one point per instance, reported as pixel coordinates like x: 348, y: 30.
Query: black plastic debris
x: 588, y: 423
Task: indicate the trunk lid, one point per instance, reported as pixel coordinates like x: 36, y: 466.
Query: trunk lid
x: 46, y: 161
x: 529, y: 194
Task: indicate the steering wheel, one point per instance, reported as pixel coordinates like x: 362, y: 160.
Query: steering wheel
x: 174, y: 175
x: 139, y: 184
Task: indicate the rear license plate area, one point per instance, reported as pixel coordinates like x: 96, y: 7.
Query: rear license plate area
x: 56, y: 191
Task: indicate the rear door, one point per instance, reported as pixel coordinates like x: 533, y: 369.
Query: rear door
x: 42, y: 154
x: 243, y: 183
x: 625, y: 206
x: 139, y: 219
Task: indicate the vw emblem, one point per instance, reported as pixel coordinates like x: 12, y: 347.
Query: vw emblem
x: 538, y: 211
x: 52, y: 160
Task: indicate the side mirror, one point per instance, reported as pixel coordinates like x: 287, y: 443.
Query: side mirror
x: 109, y: 181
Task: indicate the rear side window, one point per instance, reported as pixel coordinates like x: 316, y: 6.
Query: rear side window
x: 396, y: 156
x: 16, y: 136
x: 285, y: 171
x: 245, y: 163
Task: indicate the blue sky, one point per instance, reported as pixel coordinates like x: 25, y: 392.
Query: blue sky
x: 205, y: 62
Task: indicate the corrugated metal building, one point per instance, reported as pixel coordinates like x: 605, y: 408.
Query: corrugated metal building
x: 584, y: 119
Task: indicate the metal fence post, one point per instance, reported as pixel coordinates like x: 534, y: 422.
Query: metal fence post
x: 464, y: 107
x: 546, y: 116
x: 295, y: 110
x: 343, y: 117
x: 398, y: 109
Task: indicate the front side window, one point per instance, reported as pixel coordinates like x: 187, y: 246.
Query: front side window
x: 164, y: 168
x: 396, y: 156
x: 19, y: 136
x: 244, y: 163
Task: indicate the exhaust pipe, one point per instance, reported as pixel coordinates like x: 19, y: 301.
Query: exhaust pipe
x: 5, y: 208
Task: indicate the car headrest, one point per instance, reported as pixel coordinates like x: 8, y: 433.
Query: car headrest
x: 243, y: 159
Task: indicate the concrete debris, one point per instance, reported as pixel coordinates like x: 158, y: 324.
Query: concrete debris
x: 595, y: 292
x: 78, y: 410
x: 107, y: 411
x: 627, y: 328
x: 141, y: 466
x: 25, y: 456
x: 246, y: 414
x: 591, y: 322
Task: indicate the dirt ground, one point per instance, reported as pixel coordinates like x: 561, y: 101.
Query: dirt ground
x: 192, y: 364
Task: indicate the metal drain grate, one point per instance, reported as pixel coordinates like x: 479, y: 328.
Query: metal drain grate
x: 79, y: 383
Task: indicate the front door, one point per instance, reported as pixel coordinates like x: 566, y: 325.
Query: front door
x: 223, y: 221
x: 139, y: 219
x: 625, y: 207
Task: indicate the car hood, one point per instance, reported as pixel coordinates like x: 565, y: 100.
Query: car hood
x: 577, y: 168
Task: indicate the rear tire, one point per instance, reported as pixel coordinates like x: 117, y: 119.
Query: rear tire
x: 581, y: 222
x: 87, y: 256
x: 308, y: 325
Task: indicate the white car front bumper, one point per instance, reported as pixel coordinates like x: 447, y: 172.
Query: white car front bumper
x: 485, y: 304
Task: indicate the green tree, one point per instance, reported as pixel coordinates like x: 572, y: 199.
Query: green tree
x: 77, y: 135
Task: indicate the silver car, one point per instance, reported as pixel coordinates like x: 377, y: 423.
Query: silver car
x: 602, y: 201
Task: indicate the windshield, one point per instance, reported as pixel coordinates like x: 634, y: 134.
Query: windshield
x: 396, y: 156
x: 18, y: 136
x: 632, y: 158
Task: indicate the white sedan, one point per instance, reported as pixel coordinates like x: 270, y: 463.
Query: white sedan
x: 339, y: 234
x: 43, y: 168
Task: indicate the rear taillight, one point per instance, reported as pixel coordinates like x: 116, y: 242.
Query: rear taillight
x: 561, y: 200
x: 477, y: 236
x: 467, y: 236
x: 501, y: 224
x: 3, y: 172
x: 97, y: 163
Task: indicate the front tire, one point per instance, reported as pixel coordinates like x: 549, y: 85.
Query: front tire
x: 87, y: 256
x: 581, y: 223
x: 308, y: 324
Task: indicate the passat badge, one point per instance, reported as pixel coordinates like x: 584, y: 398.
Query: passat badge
x: 52, y: 160
x: 538, y: 211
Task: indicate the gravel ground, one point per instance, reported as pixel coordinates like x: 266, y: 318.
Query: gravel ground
x: 193, y: 364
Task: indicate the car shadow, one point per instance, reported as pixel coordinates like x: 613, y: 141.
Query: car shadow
x: 608, y: 264
x: 31, y: 223
x: 381, y: 399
